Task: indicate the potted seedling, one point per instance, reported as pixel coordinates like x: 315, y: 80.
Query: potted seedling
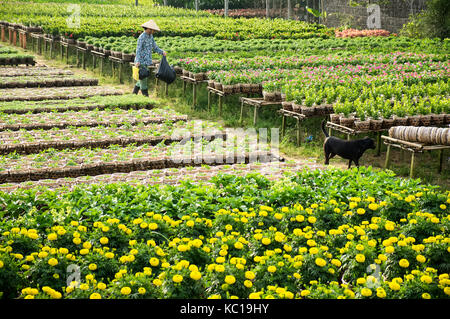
x: 127, y: 54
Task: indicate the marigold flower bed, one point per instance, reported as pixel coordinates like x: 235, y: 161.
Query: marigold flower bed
x: 314, y: 234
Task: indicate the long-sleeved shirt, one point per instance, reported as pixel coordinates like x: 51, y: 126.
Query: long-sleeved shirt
x: 146, y: 44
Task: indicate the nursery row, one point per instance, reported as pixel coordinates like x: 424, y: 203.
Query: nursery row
x: 180, y: 46
x: 198, y: 65
x: 167, y: 176
x: 106, y: 117
x: 210, y: 26
x: 32, y: 71
x: 51, y: 158
x: 48, y: 93
x: 26, y: 141
x: 99, y: 102
x: 45, y: 81
x: 312, y: 234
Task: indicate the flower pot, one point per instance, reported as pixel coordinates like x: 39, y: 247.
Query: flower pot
x: 81, y: 44
x: 347, y: 121
x: 287, y: 106
x: 218, y: 86
x: 269, y: 96
x: 178, y: 70
x: 199, y: 76
x: 321, y: 110
x: 246, y: 88
x: 127, y: 57
x: 388, y: 123
x: 400, y: 121
x: 376, y: 124
x: 307, y: 110
x: 278, y: 96
x: 334, y: 118
x: 425, y: 120
x: 296, y: 107
x: 237, y: 88
x: 438, y: 119
x: 362, y: 126
x: 256, y: 88
x: 414, y: 120
x: 227, y: 89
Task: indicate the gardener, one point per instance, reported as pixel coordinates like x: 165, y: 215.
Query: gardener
x: 146, y: 44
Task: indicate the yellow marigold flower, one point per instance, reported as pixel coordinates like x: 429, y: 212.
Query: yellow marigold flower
x: 157, y: 282
x: 393, y: 285
x: 53, y: 261
x: 195, y: 275
x: 305, y: 293
x: 443, y: 206
x: 230, y: 279
x: 142, y: 290
x: 95, y: 295
x: 426, y: 295
x: 109, y: 255
x: 254, y: 295
x: 312, y: 219
x: 366, y: 292
x: 92, y: 267
x: 219, y: 268
x: 271, y: 269
x: 361, y: 281
x: 248, y: 283
x: 266, y: 241
x: 360, y: 258
x: 426, y: 279
x: 404, y: 263
x: 101, y: 286
x: 125, y: 291
x: 447, y: 291
x: 381, y: 293
x: 360, y: 211
x: 390, y: 249
x: 250, y: 275
x: 177, y: 278
x: 349, y: 293
x: 320, y: 262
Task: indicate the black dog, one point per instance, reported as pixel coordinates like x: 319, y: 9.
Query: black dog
x: 351, y: 150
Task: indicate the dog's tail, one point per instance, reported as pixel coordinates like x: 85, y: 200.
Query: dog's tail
x: 323, y: 129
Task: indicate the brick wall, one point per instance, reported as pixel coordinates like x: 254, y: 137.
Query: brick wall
x: 393, y: 13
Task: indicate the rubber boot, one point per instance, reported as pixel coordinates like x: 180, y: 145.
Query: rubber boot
x: 145, y: 92
x: 136, y: 89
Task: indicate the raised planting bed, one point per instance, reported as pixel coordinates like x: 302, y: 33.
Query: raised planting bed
x: 32, y: 71
x: 126, y: 101
x: 27, y: 142
x: 16, y: 59
x: 167, y: 176
x: 45, y: 81
x: 110, y: 117
x: 39, y: 94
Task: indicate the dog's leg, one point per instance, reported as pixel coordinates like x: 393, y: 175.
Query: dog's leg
x: 327, y: 158
x: 349, y: 163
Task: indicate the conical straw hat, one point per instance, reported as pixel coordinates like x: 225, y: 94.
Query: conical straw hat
x: 150, y: 24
